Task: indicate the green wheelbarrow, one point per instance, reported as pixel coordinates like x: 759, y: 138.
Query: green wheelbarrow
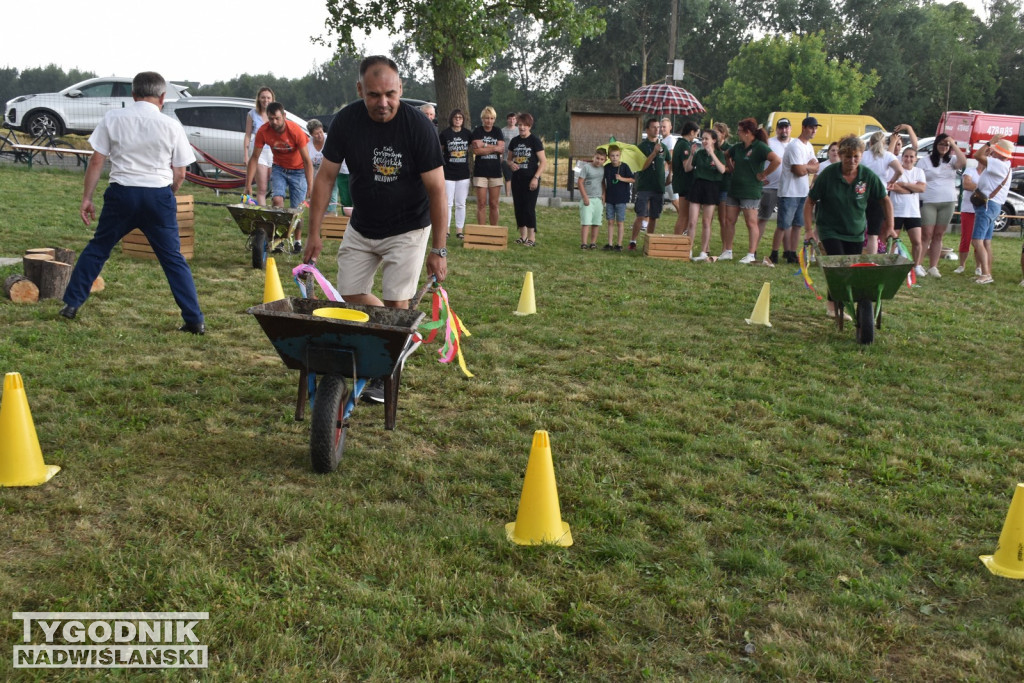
x: 861, y: 282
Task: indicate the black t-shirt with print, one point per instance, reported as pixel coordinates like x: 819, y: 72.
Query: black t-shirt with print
x: 523, y: 151
x: 487, y: 165
x: 455, y: 147
x: 385, y: 161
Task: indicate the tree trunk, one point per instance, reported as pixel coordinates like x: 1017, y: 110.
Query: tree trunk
x: 54, y: 279
x: 450, y: 86
x: 21, y: 290
x: 32, y: 265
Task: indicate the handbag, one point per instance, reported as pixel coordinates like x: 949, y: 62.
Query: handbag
x: 980, y: 199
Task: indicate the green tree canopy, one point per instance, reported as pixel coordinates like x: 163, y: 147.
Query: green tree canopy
x: 789, y: 74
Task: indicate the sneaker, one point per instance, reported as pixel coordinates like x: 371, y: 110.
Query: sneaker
x: 985, y: 280
x: 632, y: 246
x: 790, y: 257
x: 702, y: 256
x: 609, y: 247
x: 920, y: 271
x: 373, y: 392
x: 749, y: 258
x: 297, y: 247
x: 618, y: 247
x: 583, y: 246
x: 593, y: 246
x: 958, y: 270
x: 726, y: 255
x: 934, y: 272
x: 773, y: 257
x: 977, y: 271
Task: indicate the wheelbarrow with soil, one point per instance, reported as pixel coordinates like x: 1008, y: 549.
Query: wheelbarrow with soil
x: 269, y: 230
x: 339, y: 342
x: 861, y: 282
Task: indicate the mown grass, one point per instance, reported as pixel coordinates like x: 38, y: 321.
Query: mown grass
x: 746, y: 503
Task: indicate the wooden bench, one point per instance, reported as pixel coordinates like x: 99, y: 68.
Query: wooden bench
x: 671, y: 247
x: 33, y: 150
x: 490, y: 237
x: 136, y: 245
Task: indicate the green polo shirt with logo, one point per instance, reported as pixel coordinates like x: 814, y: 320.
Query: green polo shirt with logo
x: 841, y: 205
x: 652, y: 178
x: 747, y: 163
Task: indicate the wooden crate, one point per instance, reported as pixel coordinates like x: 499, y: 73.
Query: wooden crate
x: 333, y: 227
x: 491, y: 237
x: 136, y: 245
x: 672, y: 247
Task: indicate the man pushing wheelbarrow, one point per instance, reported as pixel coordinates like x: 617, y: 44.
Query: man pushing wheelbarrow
x: 398, y: 195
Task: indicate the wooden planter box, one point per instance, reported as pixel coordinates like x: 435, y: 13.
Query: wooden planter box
x: 333, y: 227
x: 672, y: 247
x: 491, y: 237
x: 136, y: 245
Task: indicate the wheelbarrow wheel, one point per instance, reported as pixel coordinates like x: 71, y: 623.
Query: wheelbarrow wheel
x: 259, y: 248
x: 865, y: 321
x: 328, y: 427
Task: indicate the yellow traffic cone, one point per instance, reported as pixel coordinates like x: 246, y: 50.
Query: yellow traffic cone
x: 527, y: 302
x: 272, y: 288
x: 21, y: 460
x: 1008, y: 559
x: 539, y: 519
x: 760, y: 314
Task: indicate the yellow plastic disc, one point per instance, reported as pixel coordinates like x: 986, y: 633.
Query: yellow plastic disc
x: 342, y: 314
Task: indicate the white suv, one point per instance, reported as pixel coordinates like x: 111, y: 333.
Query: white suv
x: 216, y: 125
x: 76, y: 109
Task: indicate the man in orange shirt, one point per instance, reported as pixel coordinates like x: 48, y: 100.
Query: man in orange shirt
x: 292, y: 167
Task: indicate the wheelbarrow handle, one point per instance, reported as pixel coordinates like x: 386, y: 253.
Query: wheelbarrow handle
x: 431, y: 282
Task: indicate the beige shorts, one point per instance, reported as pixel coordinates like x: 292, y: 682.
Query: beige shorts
x: 402, y: 257
x: 487, y: 182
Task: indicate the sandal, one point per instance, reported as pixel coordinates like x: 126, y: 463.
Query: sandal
x: 520, y: 241
x: 530, y: 243
x: 459, y: 236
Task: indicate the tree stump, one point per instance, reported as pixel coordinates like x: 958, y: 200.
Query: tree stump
x: 21, y: 290
x: 54, y: 279
x: 64, y: 255
x: 31, y: 264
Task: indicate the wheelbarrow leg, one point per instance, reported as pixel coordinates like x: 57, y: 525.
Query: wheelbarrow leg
x: 300, y: 401
x: 391, y: 397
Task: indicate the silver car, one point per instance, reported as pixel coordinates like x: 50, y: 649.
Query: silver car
x: 216, y: 125
x: 76, y: 109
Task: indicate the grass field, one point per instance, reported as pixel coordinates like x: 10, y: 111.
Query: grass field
x: 746, y: 503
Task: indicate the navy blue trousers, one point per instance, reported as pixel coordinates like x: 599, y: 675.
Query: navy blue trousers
x: 154, y: 211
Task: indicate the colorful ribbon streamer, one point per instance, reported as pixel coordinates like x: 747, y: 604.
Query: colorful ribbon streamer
x: 902, y: 251
x: 307, y: 269
x: 802, y: 257
x: 442, y: 316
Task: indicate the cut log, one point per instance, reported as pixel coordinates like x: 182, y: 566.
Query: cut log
x: 48, y: 251
x: 21, y: 290
x: 53, y: 279
x: 64, y: 255
x: 31, y: 264
x: 98, y: 285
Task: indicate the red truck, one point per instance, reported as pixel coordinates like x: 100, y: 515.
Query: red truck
x: 972, y: 129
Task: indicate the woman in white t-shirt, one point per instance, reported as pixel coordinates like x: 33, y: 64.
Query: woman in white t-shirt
x: 887, y: 167
x: 256, y: 117
x: 906, y: 205
x: 939, y: 200
x: 315, y: 147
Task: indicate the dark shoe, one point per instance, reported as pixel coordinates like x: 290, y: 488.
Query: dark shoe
x: 69, y: 312
x: 607, y: 247
x: 774, y: 258
x: 459, y: 236
x: 618, y: 247
x: 373, y: 392
x: 632, y: 246
x: 593, y: 246
x: 790, y: 257
x: 194, y: 328
x: 583, y: 246
x: 297, y: 247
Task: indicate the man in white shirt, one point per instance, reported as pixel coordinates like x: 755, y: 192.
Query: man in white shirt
x: 770, y: 191
x: 798, y: 163
x: 669, y: 141
x: 148, y: 155
x: 509, y: 132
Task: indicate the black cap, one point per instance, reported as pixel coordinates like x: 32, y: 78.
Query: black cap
x: 810, y: 122
x: 782, y: 122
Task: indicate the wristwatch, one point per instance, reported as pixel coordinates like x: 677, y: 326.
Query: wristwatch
x: 442, y: 252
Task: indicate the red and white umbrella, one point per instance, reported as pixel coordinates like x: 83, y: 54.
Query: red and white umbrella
x: 661, y: 98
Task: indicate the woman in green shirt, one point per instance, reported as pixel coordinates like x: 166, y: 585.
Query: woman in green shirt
x: 708, y: 165
x: 747, y: 161
x: 842, y: 193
